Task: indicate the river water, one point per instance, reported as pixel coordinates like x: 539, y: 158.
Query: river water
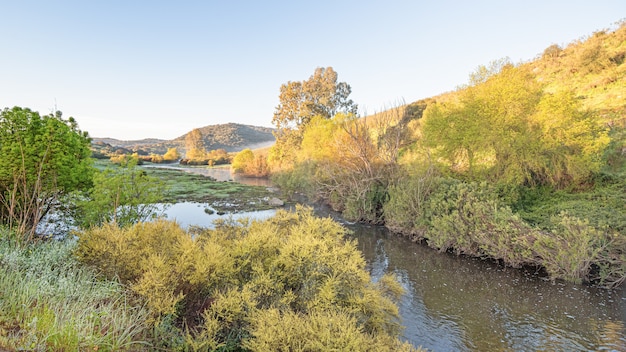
x: 463, y: 304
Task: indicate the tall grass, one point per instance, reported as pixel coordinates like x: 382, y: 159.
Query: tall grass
x: 50, y: 302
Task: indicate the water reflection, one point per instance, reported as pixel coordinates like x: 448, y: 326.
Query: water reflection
x: 200, y: 214
x: 462, y: 304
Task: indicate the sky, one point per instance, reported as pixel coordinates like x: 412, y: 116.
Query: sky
x: 157, y: 69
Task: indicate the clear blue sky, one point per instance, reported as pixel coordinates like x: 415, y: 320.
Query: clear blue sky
x: 136, y: 69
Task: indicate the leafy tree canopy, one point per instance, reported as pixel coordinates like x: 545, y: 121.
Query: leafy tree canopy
x: 195, y: 145
x: 320, y: 95
x: 509, y: 130
x: 42, y: 158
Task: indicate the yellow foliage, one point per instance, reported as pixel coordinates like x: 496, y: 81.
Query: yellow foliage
x: 123, y: 159
x: 224, y: 282
x: 319, y: 331
x: 171, y: 154
x: 157, y: 285
x: 248, y: 163
x: 196, y: 154
x: 317, y: 140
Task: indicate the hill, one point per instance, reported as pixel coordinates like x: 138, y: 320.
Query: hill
x: 593, y: 67
x: 231, y: 137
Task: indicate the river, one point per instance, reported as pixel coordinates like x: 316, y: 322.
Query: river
x: 464, y: 304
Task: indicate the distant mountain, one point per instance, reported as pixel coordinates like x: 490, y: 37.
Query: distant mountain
x: 121, y: 143
x: 231, y: 137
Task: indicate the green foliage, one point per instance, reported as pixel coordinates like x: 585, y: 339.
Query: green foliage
x: 571, y: 249
x: 507, y: 130
x: 364, y: 203
x: 249, y: 164
x: 124, y: 195
x: 467, y: 219
x: 598, y: 205
x: 242, y: 160
x: 42, y: 158
x: 317, y: 140
x: 225, y: 283
x: 50, y: 302
x: 572, y: 141
x: 320, y: 95
x: 406, y: 209
x: 299, y: 180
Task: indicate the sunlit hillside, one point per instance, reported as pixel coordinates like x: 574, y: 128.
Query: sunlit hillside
x: 593, y: 67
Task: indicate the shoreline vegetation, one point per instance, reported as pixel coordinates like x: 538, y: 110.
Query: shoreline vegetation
x: 526, y: 165
x: 292, y: 281
x: 125, y: 280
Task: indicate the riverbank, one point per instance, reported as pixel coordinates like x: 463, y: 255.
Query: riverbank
x: 573, y: 236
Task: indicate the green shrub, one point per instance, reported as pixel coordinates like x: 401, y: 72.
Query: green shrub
x: 405, y: 210
x: 221, y: 283
x: 467, y: 219
x: 124, y: 195
x: 570, y: 249
x: 576, y: 251
x: 364, y: 203
x: 242, y: 161
x: 301, y: 179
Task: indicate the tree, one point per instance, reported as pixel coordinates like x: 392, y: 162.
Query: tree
x: 171, y: 154
x: 508, y: 130
x: 242, y: 160
x: 249, y: 164
x: 42, y: 158
x: 572, y: 140
x: 195, y: 145
x: 320, y: 95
